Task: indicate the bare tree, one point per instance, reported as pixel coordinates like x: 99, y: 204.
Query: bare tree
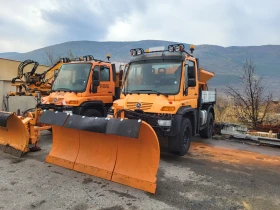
x: 50, y: 58
x: 250, y: 101
x: 71, y: 55
x: 224, y: 110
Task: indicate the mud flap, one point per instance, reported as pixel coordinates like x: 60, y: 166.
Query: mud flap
x: 14, y: 136
x: 124, y: 151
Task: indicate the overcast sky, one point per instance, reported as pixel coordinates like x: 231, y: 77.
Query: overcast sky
x: 32, y: 24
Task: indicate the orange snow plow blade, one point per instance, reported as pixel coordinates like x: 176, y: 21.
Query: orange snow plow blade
x: 123, y: 151
x: 65, y: 142
x: 138, y: 159
x: 14, y: 136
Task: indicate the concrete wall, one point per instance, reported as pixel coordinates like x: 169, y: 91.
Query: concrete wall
x: 8, y: 70
x: 17, y: 102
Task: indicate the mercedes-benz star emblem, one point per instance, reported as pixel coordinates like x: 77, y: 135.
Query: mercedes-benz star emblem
x: 138, y: 105
x: 55, y: 100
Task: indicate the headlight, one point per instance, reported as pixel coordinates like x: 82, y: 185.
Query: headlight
x: 164, y: 123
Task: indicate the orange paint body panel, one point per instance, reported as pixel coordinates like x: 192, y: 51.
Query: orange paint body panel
x: 205, y: 76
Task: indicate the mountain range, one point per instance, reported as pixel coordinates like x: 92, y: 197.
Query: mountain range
x: 225, y: 62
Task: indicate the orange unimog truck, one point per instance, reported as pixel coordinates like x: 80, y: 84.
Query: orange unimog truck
x: 85, y: 87
x: 168, y: 90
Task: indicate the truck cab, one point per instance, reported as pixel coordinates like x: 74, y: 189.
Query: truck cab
x: 85, y: 87
x: 168, y: 90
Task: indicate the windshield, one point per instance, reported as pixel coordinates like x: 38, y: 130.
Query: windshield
x: 72, y: 77
x: 153, y: 77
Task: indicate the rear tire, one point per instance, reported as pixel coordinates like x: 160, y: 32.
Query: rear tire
x: 91, y: 113
x: 180, y: 144
x: 207, y: 132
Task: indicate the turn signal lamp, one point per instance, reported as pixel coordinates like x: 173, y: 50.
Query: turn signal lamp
x: 73, y: 102
x: 168, y: 108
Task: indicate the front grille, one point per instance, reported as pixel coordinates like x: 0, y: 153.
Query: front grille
x: 144, y: 105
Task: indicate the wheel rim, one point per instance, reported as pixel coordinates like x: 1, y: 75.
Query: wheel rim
x: 186, y: 137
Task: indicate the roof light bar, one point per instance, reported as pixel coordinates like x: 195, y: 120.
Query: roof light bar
x: 171, y: 48
x: 154, y: 49
x: 88, y: 57
x: 176, y: 48
x: 137, y: 51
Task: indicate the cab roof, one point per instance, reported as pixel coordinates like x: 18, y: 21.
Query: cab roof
x: 160, y: 55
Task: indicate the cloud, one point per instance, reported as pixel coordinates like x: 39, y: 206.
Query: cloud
x: 35, y: 24
x: 218, y: 22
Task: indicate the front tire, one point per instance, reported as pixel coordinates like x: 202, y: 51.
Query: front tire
x: 180, y: 144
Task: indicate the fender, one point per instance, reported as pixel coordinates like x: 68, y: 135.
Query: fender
x: 183, y: 112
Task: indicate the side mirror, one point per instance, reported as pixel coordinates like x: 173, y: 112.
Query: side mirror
x: 191, y: 75
x: 95, y: 76
x: 185, y: 93
x: 191, y: 82
x: 95, y: 81
x: 121, y: 74
x: 191, y: 72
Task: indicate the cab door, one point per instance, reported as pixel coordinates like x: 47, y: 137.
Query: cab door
x: 106, y: 86
x: 191, y: 78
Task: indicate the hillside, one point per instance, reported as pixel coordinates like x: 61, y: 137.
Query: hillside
x: 226, y: 62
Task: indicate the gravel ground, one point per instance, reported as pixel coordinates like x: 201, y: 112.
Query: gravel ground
x: 214, y: 175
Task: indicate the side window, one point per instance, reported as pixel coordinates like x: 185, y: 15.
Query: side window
x: 105, y: 73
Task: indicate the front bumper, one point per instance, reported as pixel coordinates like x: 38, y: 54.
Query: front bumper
x: 61, y: 108
x: 159, y: 122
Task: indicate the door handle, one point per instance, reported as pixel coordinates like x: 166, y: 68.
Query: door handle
x: 110, y: 92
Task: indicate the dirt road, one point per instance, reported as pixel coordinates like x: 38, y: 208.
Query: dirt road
x: 214, y: 175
